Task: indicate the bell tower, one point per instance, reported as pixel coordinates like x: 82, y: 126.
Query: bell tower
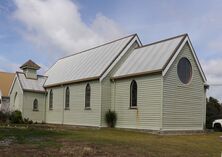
x: 30, y: 69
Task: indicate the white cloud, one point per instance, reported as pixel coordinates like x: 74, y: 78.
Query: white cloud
x: 106, y: 27
x: 56, y: 25
x: 212, y: 69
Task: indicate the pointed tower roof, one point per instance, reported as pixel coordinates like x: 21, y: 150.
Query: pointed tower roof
x: 31, y: 65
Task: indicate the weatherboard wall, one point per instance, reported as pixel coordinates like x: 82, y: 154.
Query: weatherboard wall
x: 56, y: 114
x: 16, y: 96
x: 28, y: 112
x: 106, y: 99
x: 76, y: 114
x: 149, y: 101
x: 183, y: 105
x: 30, y: 73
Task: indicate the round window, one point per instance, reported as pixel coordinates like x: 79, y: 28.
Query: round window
x: 184, y: 70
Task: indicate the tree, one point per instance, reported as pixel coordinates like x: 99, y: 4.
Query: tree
x: 214, y: 111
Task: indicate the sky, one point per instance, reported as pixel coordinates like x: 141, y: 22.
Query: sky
x: 45, y: 30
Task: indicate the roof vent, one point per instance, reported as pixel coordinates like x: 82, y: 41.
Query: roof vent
x: 30, y: 69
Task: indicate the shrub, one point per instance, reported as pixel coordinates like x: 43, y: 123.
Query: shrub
x: 4, y: 117
x: 26, y: 120
x: 16, y: 117
x: 111, y: 118
x: 30, y: 122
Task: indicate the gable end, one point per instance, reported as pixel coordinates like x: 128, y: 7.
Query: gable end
x: 176, y: 53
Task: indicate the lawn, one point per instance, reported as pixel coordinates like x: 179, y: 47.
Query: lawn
x: 36, y: 140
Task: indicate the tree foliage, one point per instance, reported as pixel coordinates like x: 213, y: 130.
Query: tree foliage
x: 214, y: 111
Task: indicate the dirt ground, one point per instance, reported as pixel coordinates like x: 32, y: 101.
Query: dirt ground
x: 68, y: 149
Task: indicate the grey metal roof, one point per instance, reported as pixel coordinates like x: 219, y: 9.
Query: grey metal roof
x: 88, y: 64
x: 31, y: 84
x: 149, y: 58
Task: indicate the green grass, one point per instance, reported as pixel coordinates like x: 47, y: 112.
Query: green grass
x: 120, y: 141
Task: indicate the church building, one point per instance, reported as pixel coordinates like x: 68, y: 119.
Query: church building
x: 159, y: 86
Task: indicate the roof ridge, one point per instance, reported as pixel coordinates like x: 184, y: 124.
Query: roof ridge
x: 106, y: 43
x: 163, y: 40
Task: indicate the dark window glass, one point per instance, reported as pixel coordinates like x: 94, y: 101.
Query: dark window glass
x: 184, y: 70
x: 67, y: 98
x: 133, y: 94
x: 87, y: 96
x: 35, y: 105
x: 51, y: 100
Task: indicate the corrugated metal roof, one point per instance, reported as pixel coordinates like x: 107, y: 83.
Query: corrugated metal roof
x: 31, y: 84
x: 87, y: 64
x: 6, y: 80
x: 149, y: 58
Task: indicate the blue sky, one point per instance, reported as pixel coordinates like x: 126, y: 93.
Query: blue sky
x: 44, y: 30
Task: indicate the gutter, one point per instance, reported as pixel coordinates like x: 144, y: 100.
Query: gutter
x: 71, y: 82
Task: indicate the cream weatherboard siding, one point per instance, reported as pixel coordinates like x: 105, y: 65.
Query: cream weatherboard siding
x: 16, y: 96
x: 183, y: 105
x: 56, y: 114
x: 105, y: 99
x: 106, y: 84
x: 28, y: 112
x: 149, y: 101
x: 30, y: 73
x: 77, y: 114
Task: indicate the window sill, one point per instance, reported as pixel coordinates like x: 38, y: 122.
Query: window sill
x: 50, y: 109
x: 35, y: 110
x: 67, y: 108
x: 133, y: 108
x: 87, y: 108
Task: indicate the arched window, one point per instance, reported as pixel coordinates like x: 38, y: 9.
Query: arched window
x: 87, y: 96
x: 15, y: 97
x: 133, y: 94
x: 35, y: 105
x: 67, y: 98
x: 16, y: 101
x: 51, y: 100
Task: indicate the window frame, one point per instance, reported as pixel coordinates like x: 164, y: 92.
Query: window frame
x: 67, y: 99
x: 133, y: 86
x: 35, y: 103
x: 51, y: 100
x: 179, y: 75
x: 88, y: 97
